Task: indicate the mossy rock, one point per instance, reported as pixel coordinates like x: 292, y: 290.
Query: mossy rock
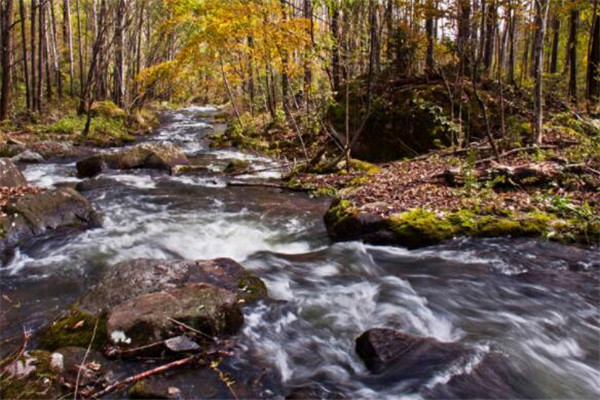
x: 420, y: 227
x: 146, y: 319
x: 40, y: 383
x: 108, y: 109
x: 75, y: 329
x: 251, y: 288
x: 236, y: 167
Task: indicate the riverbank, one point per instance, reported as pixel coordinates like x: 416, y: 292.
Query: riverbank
x: 58, y: 132
x: 548, y: 192
x: 316, y: 295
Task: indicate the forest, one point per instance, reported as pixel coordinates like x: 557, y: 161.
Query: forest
x: 299, y: 199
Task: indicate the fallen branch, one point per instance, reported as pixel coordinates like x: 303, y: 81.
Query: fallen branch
x: 9, y: 361
x: 189, y: 328
x: 116, y: 352
x: 87, y: 352
x: 270, y: 185
x: 134, y: 378
x: 509, y: 152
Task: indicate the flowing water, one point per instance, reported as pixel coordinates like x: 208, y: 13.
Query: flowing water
x: 534, y: 303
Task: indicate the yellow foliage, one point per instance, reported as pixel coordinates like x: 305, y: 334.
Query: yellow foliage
x: 222, y: 37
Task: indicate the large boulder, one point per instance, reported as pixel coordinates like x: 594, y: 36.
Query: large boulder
x: 10, y: 175
x: 441, y: 370
x: 91, y: 166
x: 129, y: 279
x: 146, y: 155
x: 380, y: 348
x: 150, y: 318
x: 37, y: 213
x: 134, y: 301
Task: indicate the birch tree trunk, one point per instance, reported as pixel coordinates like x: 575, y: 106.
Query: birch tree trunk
x: 541, y: 17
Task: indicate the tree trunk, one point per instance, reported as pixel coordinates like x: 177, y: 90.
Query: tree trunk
x: 555, y: 42
x: 34, y: 92
x: 572, y: 51
x: 464, y: 36
x: 335, y: 62
x: 69, y: 41
x: 513, y: 37
x: 308, y: 14
x: 119, y: 69
x: 41, y: 40
x: 490, y: 36
x: 593, y: 72
x: 541, y: 17
x: 22, y: 13
x: 80, y: 49
x: 53, y: 39
x: 7, y: 59
x: 429, y: 30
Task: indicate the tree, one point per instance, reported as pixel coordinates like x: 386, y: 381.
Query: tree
x: 593, y: 70
x: 6, y: 43
x: 572, y: 50
x: 541, y: 18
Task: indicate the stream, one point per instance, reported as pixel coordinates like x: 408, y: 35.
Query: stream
x: 537, y: 303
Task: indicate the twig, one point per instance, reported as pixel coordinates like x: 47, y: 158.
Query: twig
x: 82, y: 366
x: 134, y: 378
x: 26, y: 337
x: 173, y: 320
x: 115, y: 352
x: 509, y: 152
x: 269, y: 185
x: 140, y: 376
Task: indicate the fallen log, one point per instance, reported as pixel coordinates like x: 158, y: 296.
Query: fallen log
x: 526, y: 174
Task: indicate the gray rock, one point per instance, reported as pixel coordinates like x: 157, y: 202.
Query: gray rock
x: 129, y: 279
x: 379, y: 348
x: 10, y: 175
x: 181, y: 343
x: 148, y: 318
x: 28, y: 156
x: 91, y: 166
x: 146, y: 155
x: 34, y: 214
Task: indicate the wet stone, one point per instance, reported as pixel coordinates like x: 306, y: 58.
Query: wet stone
x: 181, y: 344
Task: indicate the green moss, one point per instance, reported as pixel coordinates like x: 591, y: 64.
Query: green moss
x: 339, y: 211
x: 326, y: 191
x: 495, y: 226
x: 252, y: 288
x: 365, y: 167
x: 40, y: 384
x: 421, y: 227
x: 236, y: 166
x: 75, y: 329
x: 358, y: 181
x: 108, y: 109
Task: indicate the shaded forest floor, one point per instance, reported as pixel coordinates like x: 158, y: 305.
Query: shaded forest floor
x: 557, y: 183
